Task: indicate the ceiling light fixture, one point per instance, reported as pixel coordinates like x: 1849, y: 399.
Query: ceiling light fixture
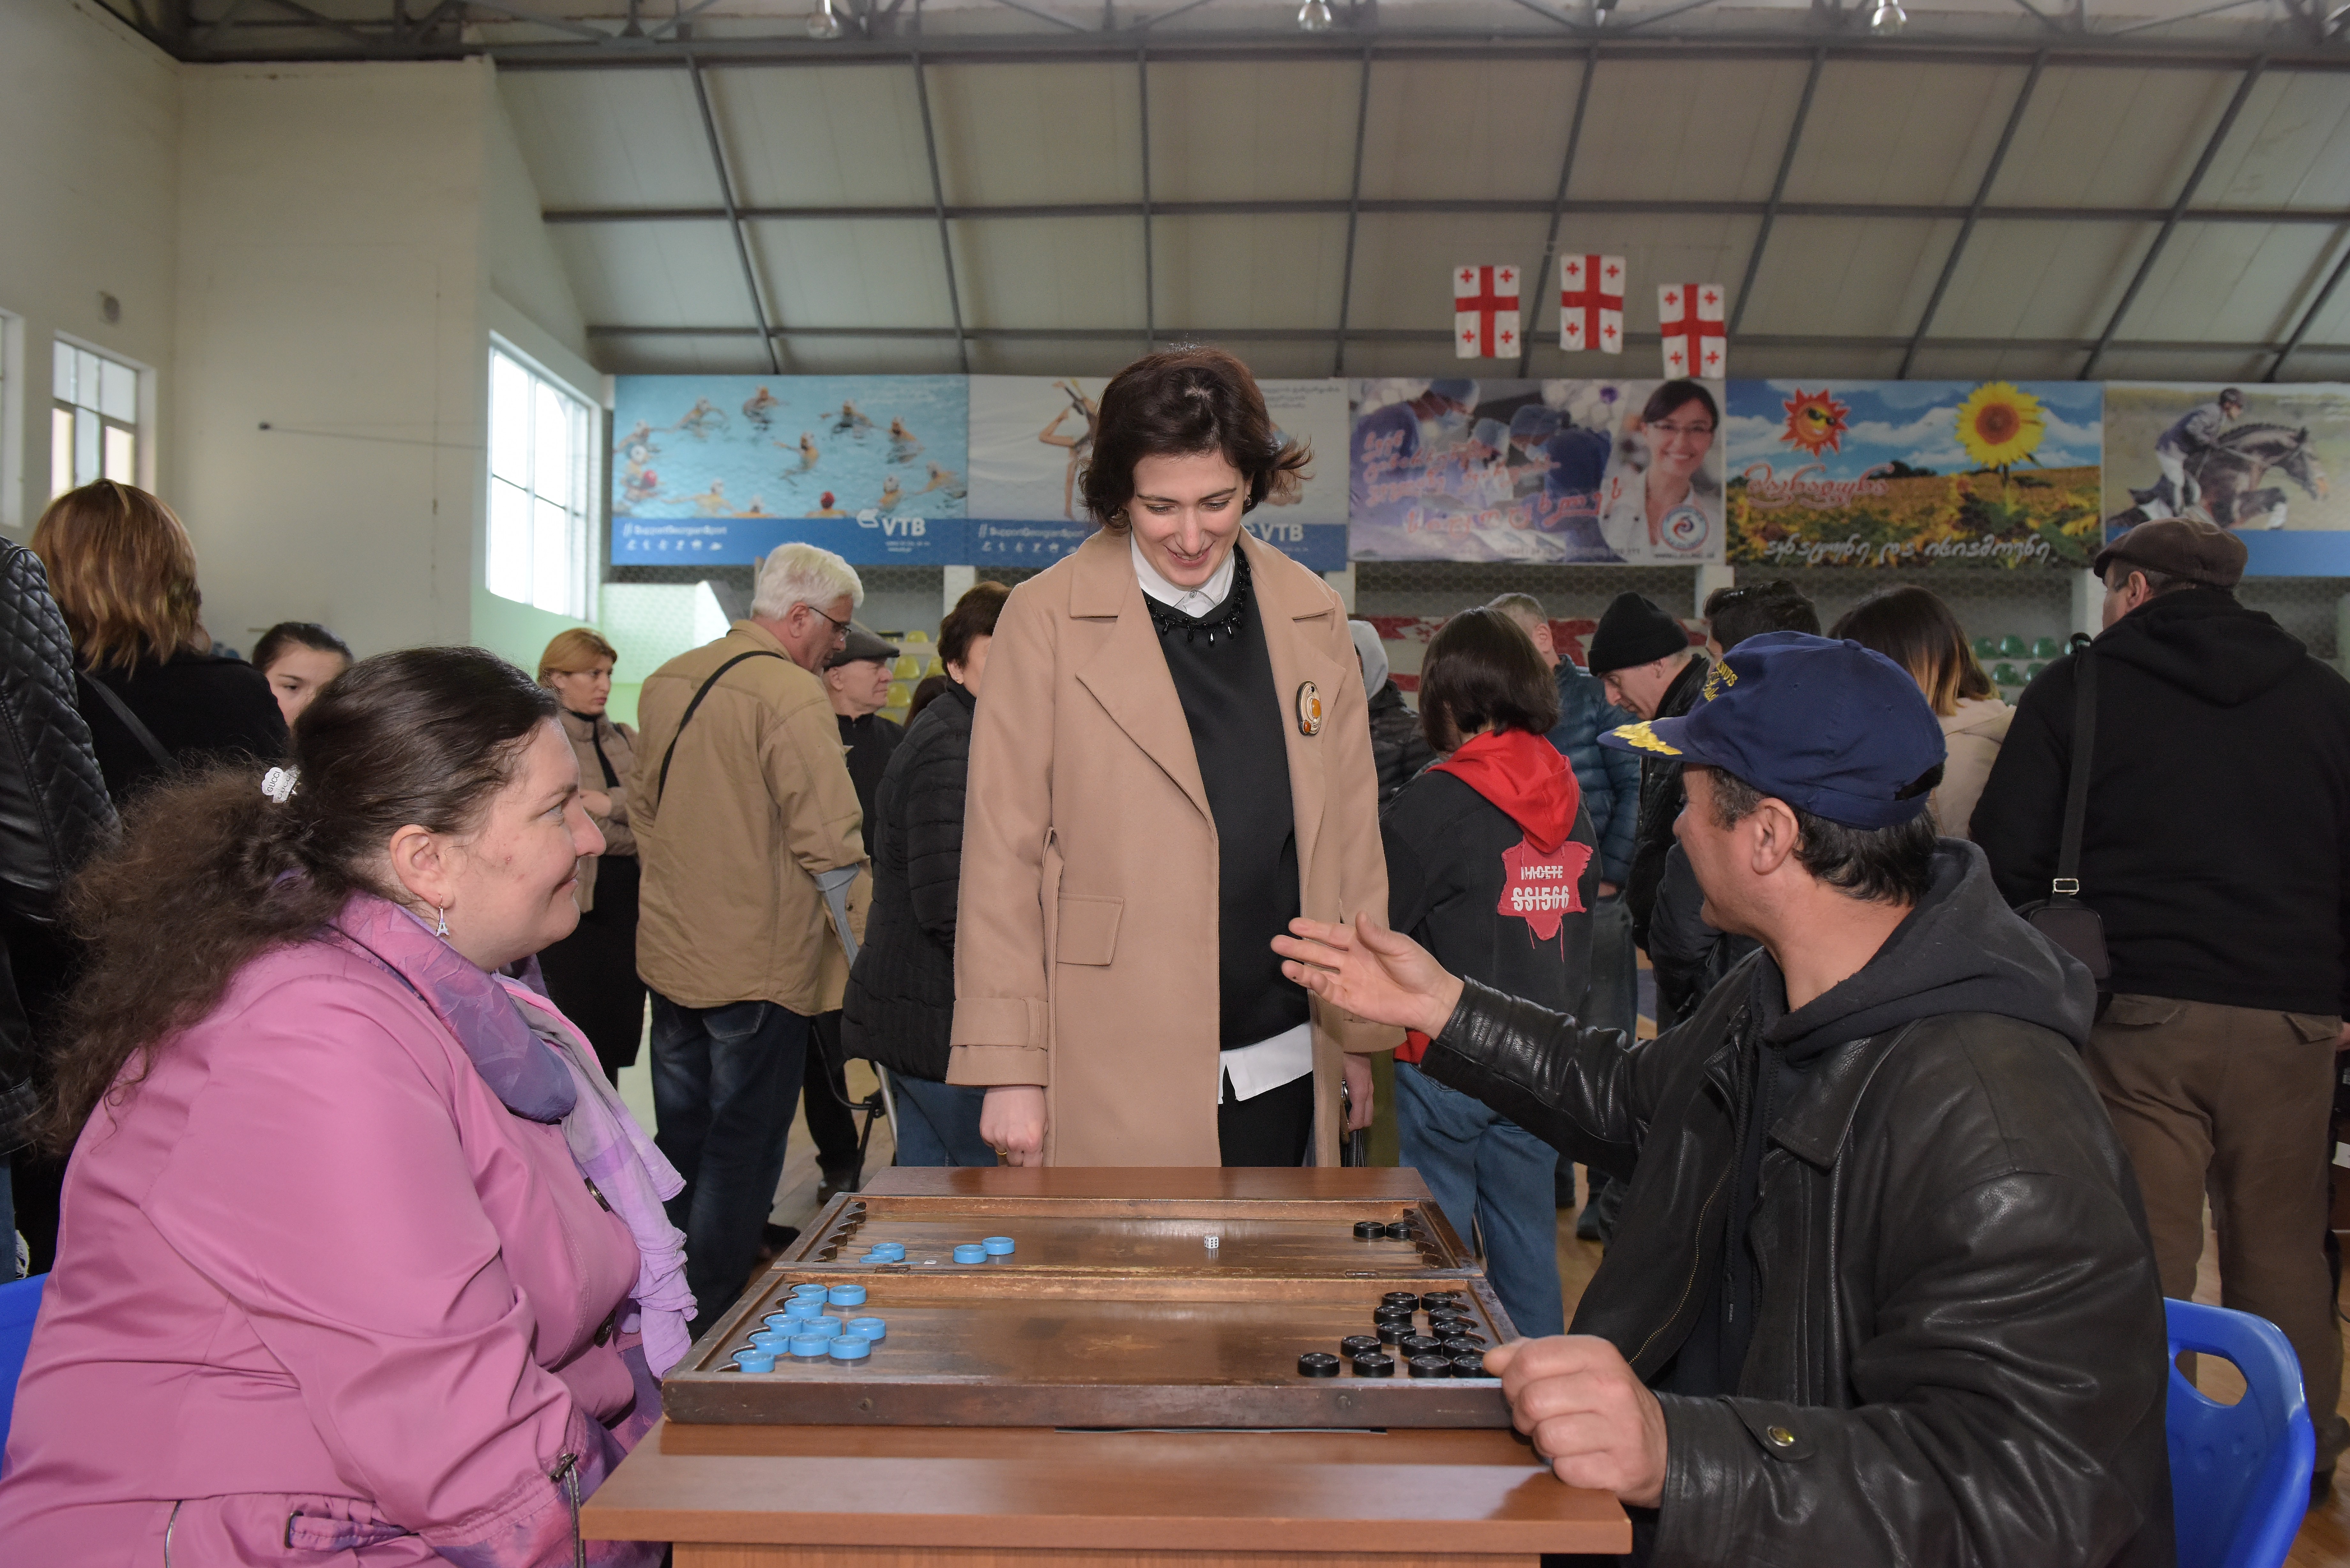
x: 823, y: 22
x: 1314, y: 17
x: 1888, y: 19
x: 1600, y: 11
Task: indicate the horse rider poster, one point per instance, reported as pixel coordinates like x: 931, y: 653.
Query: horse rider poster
x: 2249, y: 458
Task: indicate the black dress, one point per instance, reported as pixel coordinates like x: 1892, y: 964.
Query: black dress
x: 1223, y: 675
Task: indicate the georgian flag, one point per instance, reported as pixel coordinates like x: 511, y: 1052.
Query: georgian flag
x: 1695, y: 342
x: 1484, y: 312
x: 1591, y: 303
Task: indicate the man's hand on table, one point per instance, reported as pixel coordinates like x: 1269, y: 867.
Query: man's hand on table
x: 1370, y: 972
x: 1587, y: 1412
x: 1011, y: 1121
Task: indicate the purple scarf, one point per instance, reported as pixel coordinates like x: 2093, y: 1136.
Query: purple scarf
x: 533, y: 1060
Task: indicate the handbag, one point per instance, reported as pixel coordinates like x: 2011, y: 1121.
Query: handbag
x: 123, y: 716
x: 2061, y: 917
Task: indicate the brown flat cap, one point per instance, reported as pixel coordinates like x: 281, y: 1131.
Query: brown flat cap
x: 2184, y: 548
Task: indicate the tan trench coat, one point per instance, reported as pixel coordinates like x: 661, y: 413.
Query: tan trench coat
x: 1085, y: 943
x: 758, y: 804
x: 620, y: 748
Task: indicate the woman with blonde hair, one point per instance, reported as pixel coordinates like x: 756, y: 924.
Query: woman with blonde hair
x: 154, y: 693
x: 1171, y: 761
x: 592, y: 973
x: 1913, y: 628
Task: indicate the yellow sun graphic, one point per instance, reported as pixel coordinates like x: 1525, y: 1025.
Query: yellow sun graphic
x: 1815, y: 421
x: 2001, y: 425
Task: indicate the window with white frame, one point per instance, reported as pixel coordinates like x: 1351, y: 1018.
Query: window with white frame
x: 541, y: 492
x: 93, y: 419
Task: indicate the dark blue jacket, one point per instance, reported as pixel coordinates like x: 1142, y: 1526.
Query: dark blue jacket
x: 1610, y: 779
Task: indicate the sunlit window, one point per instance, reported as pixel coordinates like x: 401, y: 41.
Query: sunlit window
x: 93, y: 420
x: 541, y: 446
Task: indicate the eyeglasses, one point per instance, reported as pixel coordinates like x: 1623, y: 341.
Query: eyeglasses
x: 1699, y: 429
x: 840, y: 628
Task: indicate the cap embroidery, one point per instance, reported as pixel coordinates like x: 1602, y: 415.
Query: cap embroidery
x: 1718, y: 680
x: 1646, y: 739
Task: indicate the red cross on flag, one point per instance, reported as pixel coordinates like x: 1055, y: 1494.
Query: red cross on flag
x: 1695, y: 342
x: 1591, y: 303
x: 1484, y: 312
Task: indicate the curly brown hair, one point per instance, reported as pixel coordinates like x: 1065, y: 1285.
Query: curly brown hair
x: 210, y: 873
x: 1180, y: 402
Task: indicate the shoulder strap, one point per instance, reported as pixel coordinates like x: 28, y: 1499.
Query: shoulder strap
x: 2076, y: 783
x: 660, y: 785
x: 125, y: 717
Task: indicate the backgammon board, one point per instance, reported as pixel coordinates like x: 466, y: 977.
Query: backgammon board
x: 1170, y: 1302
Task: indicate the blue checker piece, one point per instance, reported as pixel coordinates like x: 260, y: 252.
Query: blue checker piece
x: 825, y: 1326
x: 868, y: 1327
x: 971, y: 1253
x: 754, y: 1361
x: 890, y: 1252
x: 846, y: 1295
x: 810, y: 1346
x: 809, y: 1288
x: 769, y: 1340
x: 849, y: 1347
x: 804, y: 1308
x: 998, y: 1246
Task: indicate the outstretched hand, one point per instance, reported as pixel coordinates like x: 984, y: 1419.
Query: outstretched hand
x: 1370, y: 972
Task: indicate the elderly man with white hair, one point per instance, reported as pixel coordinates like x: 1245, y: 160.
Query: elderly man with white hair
x: 746, y: 822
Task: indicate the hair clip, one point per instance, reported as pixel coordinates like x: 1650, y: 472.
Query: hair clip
x: 278, y: 782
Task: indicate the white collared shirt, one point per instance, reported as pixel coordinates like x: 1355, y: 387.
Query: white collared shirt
x: 1247, y: 1071
x: 1196, y: 601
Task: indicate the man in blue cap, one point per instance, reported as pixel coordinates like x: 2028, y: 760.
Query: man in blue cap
x: 1881, y: 1290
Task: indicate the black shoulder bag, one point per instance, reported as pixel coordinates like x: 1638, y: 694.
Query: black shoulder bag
x: 660, y: 785
x: 2061, y: 917
x: 123, y: 716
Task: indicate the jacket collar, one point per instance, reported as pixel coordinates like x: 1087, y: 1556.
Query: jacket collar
x: 760, y: 638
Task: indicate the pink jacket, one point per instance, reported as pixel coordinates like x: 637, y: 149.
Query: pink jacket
x: 321, y: 1298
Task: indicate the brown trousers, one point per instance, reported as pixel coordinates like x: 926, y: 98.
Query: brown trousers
x: 2234, y: 1103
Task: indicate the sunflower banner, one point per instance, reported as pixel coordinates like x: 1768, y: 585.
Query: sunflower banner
x: 1901, y: 474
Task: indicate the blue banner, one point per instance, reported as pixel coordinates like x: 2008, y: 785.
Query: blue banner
x: 1007, y: 542
x: 867, y: 539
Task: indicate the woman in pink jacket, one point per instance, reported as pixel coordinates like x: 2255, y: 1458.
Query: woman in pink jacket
x: 361, y: 1261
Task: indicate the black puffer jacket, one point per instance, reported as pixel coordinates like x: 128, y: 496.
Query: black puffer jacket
x: 900, y: 999
x: 1660, y: 802
x: 1954, y: 1347
x: 1397, y: 745
x: 53, y: 809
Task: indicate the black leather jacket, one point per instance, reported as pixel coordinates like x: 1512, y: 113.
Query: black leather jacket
x: 52, y: 805
x: 1957, y: 1342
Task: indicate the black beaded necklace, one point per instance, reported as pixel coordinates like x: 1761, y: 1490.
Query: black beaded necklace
x: 1228, y: 617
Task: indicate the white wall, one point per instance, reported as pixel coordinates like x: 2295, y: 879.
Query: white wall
x: 88, y: 204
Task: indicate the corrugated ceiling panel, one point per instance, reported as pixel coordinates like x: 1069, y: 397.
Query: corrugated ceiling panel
x: 1855, y: 277
x: 835, y: 137
x: 871, y: 273
x: 654, y: 275
x: 678, y: 355
x: 2233, y: 283
x: 2332, y: 323
x: 2172, y: 365
x: 1252, y: 130
x: 1038, y: 133
x: 1684, y: 130
x: 611, y: 139
x: 2291, y: 147
x: 1907, y: 131
x: 1095, y: 360
x: 1403, y: 265
x: 1490, y: 128
x: 2023, y: 362
x: 1803, y: 363
x: 870, y: 357
x: 1248, y: 272
x: 1068, y: 272
x: 2040, y: 280
x: 2111, y: 137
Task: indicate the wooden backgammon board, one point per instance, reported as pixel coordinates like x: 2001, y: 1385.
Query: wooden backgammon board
x: 1198, y: 1310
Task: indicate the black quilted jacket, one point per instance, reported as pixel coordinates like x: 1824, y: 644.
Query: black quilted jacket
x: 54, y: 808
x: 901, y: 1000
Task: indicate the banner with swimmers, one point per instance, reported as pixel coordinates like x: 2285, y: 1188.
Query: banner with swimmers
x: 1908, y: 473
x: 1545, y: 471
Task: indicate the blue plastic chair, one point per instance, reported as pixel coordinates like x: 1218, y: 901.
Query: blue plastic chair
x: 20, y: 1304
x: 2239, y: 1473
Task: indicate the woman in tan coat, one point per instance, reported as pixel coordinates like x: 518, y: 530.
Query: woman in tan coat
x: 1171, y: 761
x: 1913, y: 628
x: 592, y: 973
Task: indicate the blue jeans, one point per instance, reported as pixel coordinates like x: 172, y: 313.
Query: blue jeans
x: 937, y: 1123
x: 1481, y: 1165
x: 724, y: 1081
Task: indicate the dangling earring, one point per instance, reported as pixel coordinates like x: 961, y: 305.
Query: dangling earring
x: 443, y: 928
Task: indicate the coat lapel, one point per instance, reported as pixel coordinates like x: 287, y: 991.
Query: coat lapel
x: 1129, y: 675
x: 1289, y: 610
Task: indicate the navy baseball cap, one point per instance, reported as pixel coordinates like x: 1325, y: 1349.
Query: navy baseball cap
x: 1833, y: 727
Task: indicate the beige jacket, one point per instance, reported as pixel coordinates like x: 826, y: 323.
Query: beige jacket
x: 758, y: 804
x: 620, y: 747
x: 1972, y: 737
x: 1086, y: 953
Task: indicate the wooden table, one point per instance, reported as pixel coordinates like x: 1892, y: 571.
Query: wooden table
x: 979, y: 1496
